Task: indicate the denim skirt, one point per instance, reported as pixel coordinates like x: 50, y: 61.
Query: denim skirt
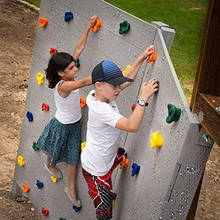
x: 61, y: 142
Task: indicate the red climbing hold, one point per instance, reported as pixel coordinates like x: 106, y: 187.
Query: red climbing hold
x: 44, y: 211
x: 45, y: 107
x: 53, y: 51
x: 133, y: 107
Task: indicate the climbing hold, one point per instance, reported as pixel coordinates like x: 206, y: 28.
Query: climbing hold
x: 40, y: 78
x: 20, y: 160
x: 29, y: 116
x: 45, y: 107
x: 152, y: 57
x: 97, y: 25
x: 77, y: 63
x: 113, y: 202
x: 54, y: 179
x: 39, y: 184
x: 124, y: 27
x: 114, y: 195
x: 133, y: 107
x: 44, y: 211
x: 135, y: 169
x: 173, y: 113
x: 35, y: 147
x: 83, y: 144
x: 62, y: 219
x: 25, y: 188
x: 53, y: 51
x: 126, y: 69
x: 124, y: 162
x: 68, y: 16
x: 43, y: 22
x: 82, y: 102
x: 156, y: 140
x: 76, y: 209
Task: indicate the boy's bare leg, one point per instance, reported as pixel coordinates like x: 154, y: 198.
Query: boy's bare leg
x: 54, y: 169
x: 71, y: 171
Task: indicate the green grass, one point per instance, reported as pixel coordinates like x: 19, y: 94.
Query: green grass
x: 34, y: 2
x: 187, y: 17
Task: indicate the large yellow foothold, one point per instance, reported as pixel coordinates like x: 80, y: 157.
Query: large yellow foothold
x: 54, y: 179
x: 83, y: 144
x: 40, y: 78
x: 126, y: 69
x: 20, y: 160
x: 156, y: 140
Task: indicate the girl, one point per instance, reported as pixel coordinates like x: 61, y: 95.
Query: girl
x: 60, y: 139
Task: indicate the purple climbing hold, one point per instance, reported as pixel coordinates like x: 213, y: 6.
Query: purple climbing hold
x: 135, y: 169
x: 29, y: 116
x: 68, y: 16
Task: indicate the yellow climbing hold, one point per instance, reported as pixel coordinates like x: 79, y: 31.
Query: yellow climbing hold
x: 83, y: 144
x: 54, y: 179
x: 20, y: 160
x: 126, y: 69
x: 156, y: 140
x: 113, y: 202
x: 40, y: 78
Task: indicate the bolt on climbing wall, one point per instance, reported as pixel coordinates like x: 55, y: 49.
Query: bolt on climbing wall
x: 168, y: 173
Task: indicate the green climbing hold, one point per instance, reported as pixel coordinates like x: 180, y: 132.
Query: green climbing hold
x: 35, y: 147
x: 173, y: 113
x: 124, y: 27
x: 77, y: 63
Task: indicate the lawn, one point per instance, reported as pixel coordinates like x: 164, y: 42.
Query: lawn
x: 187, y: 17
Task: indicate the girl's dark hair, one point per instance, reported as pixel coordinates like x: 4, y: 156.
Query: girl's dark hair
x: 58, y: 62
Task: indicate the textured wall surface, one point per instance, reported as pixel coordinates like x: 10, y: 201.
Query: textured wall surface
x: 168, y: 177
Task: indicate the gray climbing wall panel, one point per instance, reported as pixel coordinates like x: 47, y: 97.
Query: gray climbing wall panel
x: 169, y: 176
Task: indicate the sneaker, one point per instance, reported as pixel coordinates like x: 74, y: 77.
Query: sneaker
x: 77, y: 202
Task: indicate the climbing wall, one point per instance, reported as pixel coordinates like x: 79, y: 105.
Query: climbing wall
x: 168, y: 176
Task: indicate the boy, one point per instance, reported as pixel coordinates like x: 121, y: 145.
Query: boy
x: 101, y: 154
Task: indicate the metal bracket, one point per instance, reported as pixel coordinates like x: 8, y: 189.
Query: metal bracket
x: 204, y: 139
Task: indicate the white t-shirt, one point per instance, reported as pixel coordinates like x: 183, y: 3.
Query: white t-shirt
x: 68, y: 108
x: 103, y: 138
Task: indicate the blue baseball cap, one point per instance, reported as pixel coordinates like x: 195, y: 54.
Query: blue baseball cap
x: 108, y: 71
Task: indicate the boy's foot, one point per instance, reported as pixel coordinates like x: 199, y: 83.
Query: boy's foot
x: 54, y: 172
x: 77, y: 202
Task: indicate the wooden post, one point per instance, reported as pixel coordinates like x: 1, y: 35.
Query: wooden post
x: 206, y: 90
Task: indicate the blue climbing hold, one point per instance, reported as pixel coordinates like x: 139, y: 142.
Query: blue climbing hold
x: 76, y: 209
x: 29, y: 116
x: 135, y: 169
x: 39, y: 184
x: 68, y: 16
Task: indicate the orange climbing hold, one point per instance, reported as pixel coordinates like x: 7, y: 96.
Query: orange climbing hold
x: 124, y: 162
x: 25, y: 188
x: 43, y: 22
x: 82, y: 102
x: 152, y: 57
x: 97, y: 25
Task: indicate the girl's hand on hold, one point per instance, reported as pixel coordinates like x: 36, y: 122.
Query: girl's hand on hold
x: 148, y: 89
x: 92, y: 20
x: 150, y: 50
